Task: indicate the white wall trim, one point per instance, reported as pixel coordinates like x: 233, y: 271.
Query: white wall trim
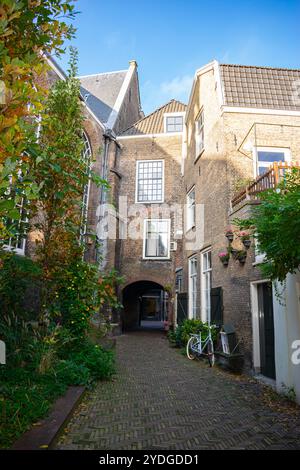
x: 220, y: 90
x: 122, y: 93
x: 241, y: 110
x: 150, y: 136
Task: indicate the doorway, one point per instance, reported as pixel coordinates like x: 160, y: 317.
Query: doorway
x: 266, y: 329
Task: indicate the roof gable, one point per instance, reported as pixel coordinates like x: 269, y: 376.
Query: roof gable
x: 259, y: 87
x: 100, y: 92
x: 154, y: 122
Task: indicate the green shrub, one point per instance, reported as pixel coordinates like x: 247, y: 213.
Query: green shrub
x: 183, y: 332
x: 99, y: 362
x: 72, y: 373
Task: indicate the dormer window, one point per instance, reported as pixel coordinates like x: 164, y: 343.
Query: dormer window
x: 173, y: 122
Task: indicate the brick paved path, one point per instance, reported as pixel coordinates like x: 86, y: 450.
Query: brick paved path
x: 160, y: 400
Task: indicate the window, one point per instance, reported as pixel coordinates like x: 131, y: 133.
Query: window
x: 179, y: 280
x: 191, y: 209
x: 173, y: 123
x: 157, y: 239
x: 149, y: 181
x: 199, y: 133
x: 265, y: 156
x: 87, y: 156
x: 17, y: 228
x: 206, y: 285
x: 193, y: 282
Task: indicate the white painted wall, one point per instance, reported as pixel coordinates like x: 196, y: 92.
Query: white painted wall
x: 287, y: 331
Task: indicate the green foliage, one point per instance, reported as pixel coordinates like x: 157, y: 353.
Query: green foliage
x: 277, y: 227
x: 17, y: 275
x: 183, y: 332
x: 28, y: 28
x: 46, y: 365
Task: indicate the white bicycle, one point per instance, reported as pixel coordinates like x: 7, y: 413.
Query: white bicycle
x: 196, y: 347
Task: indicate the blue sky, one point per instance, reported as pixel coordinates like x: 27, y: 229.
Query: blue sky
x: 170, y: 39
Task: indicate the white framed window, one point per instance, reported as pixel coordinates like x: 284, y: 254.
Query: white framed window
x: 265, y: 156
x: 206, y: 281
x: 87, y: 157
x: 193, y: 284
x: 191, y: 209
x: 17, y: 227
x: 150, y: 181
x: 156, y: 239
x: 199, y: 133
x: 173, y: 122
x: 17, y: 241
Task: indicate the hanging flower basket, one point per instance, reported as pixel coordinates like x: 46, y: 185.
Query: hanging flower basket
x: 224, y: 257
x: 229, y: 235
x: 242, y: 256
x: 234, y: 253
x: 245, y: 238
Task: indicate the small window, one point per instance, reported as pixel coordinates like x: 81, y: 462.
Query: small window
x: 149, y: 185
x: 267, y: 156
x: 179, y: 280
x: 191, y: 209
x: 174, y: 123
x: 193, y: 283
x: 157, y: 238
x: 199, y: 134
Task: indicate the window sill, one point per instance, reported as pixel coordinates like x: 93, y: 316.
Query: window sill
x: 149, y: 202
x: 199, y: 155
x: 156, y: 259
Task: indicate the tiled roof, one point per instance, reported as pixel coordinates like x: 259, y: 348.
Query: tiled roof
x: 260, y: 87
x: 101, y: 91
x: 154, y: 122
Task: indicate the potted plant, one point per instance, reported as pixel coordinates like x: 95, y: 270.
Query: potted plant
x: 229, y: 234
x: 245, y: 238
x: 224, y: 257
x: 241, y: 256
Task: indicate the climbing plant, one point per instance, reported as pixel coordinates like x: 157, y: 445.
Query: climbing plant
x: 28, y: 30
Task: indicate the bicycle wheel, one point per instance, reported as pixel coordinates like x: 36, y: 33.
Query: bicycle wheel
x: 191, y: 348
x: 210, y: 353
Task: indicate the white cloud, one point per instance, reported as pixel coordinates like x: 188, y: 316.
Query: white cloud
x: 178, y: 87
x: 154, y: 95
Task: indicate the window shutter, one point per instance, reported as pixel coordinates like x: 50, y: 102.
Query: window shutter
x: 216, y: 298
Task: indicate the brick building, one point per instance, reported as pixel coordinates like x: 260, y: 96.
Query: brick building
x: 152, y: 187
x: 239, y: 120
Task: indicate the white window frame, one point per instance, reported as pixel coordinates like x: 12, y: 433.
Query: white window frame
x: 193, y: 298
x: 199, y: 131
x: 256, y: 163
x: 144, y: 239
x: 167, y: 115
x: 136, y: 181
x: 205, y: 310
x: 190, y: 210
x: 11, y: 247
x: 88, y: 155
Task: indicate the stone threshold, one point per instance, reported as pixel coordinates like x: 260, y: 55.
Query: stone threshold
x: 42, y: 436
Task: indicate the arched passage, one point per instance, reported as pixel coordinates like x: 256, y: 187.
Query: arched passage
x: 144, y: 305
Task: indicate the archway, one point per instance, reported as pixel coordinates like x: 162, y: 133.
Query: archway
x: 144, y: 306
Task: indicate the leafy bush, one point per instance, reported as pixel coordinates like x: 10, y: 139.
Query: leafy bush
x: 72, y: 373
x: 99, y: 362
x: 183, y: 332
